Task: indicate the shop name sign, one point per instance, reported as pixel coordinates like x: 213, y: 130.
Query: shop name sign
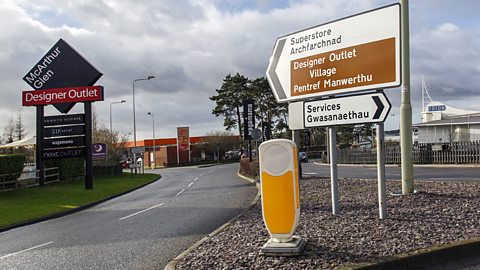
x: 62, y: 95
x: 357, y: 53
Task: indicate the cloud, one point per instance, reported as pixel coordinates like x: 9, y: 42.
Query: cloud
x: 189, y: 46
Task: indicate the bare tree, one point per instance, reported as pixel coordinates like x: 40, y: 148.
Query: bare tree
x: 114, y: 140
x: 19, y: 127
x: 9, y: 131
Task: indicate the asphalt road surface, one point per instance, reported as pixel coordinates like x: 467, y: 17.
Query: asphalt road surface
x: 430, y: 173
x: 144, y: 229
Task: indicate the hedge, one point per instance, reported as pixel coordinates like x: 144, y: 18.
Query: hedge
x: 12, y: 165
x: 68, y: 168
x: 110, y: 170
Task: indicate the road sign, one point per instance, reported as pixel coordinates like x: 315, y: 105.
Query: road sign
x: 357, y: 53
x: 69, y: 119
x: 357, y: 109
x: 64, y: 131
x: 62, y: 66
x: 137, y: 150
x: 256, y: 134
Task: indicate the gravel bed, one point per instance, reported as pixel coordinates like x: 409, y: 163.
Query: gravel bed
x: 440, y: 213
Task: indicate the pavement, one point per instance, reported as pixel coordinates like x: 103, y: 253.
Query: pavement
x: 464, y: 255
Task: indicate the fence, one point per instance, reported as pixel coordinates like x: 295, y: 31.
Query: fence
x: 28, y: 178
x: 423, y: 153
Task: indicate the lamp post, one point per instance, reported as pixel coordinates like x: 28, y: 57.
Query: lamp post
x: 111, y: 129
x: 115, y: 102
x: 134, y: 124
x: 153, y: 130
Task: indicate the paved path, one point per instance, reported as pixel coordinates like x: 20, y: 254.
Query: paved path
x: 144, y: 229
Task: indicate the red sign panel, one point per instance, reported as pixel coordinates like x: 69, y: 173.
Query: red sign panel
x: 183, y: 138
x: 62, y: 95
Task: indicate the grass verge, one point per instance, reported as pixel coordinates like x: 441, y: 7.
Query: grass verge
x: 22, y: 205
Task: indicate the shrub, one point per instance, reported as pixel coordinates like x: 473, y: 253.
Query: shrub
x: 248, y: 168
x: 68, y: 168
x: 12, y: 165
x: 110, y: 170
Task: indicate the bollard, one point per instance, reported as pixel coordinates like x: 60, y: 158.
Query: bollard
x: 280, y: 197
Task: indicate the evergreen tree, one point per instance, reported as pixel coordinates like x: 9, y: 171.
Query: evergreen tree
x: 229, y: 101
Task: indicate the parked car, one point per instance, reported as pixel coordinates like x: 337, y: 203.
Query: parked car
x: 302, y: 156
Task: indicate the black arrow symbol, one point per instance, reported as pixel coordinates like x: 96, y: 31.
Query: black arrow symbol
x: 380, y: 107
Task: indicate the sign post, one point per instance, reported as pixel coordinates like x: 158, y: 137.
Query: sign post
x: 358, y: 53
x: 332, y: 150
x: 382, y: 197
x: 61, y: 78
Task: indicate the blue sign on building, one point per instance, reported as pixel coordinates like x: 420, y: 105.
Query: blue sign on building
x: 437, y: 108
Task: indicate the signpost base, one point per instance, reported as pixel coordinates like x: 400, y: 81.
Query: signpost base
x: 294, y: 247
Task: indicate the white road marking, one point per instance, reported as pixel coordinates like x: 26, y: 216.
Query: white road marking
x: 25, y: 250
x: 139, y: 212
x: 180, y: 193
x: 189, y: 185
x: 196, y: 179
x: 309, y: 173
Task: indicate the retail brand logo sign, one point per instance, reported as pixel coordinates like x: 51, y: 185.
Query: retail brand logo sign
x: 62, y: 95
x: 183, y: 138
x: 62, y: 66
x: 357, y: 53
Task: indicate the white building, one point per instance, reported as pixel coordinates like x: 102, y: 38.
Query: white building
x: 442, y: 123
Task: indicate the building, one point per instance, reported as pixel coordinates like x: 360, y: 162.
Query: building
x: 442, y: 123
x: 164, y: 152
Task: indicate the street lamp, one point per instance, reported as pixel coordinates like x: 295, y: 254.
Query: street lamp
x: 115, y: 102
x: 134, y: 124
x: 153, y: 130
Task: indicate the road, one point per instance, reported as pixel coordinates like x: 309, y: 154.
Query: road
x: 144, y: 229
x: 444, y: 173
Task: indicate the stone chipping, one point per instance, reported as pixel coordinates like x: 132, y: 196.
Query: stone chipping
x: 440, y: 213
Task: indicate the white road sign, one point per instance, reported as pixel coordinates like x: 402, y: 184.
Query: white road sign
x: 358, y: 109
x: 137, y: 150
x: 360, y: 52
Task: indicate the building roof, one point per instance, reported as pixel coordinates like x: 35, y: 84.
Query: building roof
x: 467, y: 119
x: 31, y: 141
x: 169, y: 141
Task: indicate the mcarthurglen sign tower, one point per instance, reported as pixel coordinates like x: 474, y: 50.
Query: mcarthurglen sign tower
x: 62, y: 78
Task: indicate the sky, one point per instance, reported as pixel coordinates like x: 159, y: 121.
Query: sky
x: 190, y: 46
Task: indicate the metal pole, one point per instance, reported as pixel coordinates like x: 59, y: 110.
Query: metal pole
x: 382, y: 197
x: 134, y: 124
x: 134, y: 127
x: 296, y: 140
x: 88, y: 146
x: 406, y: 107
x: 40, y: 166
x: 332, y: 149
x: 250, y: 149
x: 154, y: 147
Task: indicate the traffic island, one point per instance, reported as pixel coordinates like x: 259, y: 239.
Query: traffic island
x: 439, y: 217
